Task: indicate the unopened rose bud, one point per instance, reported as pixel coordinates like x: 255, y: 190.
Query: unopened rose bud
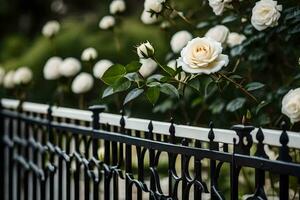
x: 145, y: 50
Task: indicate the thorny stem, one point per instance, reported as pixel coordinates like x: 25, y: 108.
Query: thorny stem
x: 239, y: 86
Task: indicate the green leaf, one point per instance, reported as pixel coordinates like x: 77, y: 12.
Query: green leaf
x: 235, y: 104
x: 121, y: 85
x: 107, y: 92
x: 169, y: 70
x: 133, y: 94
x: 153, y: 94
x: 133, y: 76
x: 169, y: 90
x: 254, y: 86
x: 261, y: 106
x: 113, y: 74
x: 229, y: 19
x: 155, y: 77
x: 134, y: 66
x: 217, y: 106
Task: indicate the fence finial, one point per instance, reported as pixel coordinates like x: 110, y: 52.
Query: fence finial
x: 211, y: 134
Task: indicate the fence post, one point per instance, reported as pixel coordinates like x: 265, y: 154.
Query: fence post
x: 96, y: 110
x: 242, y: 147
x: 284, y: 156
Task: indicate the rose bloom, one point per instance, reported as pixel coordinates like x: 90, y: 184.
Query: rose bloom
x: 22, y: 76
x: 146, y: 18
x: 2, y: 75
x: 219, y: 6
x: 107, y: 22
x: 69, y: 67
x: 291, y: 105
x: 235, y: 39
x: 218, y: 33
x: 153, y: 5
x: 265, y: 13
x: 51, y: 68
x: 51, y: 28
x: 202, y: 55
x: 82, y: 83
x: 145, y: 50
x: 117, y: 6
x: 101, y: 67
x: 179, y: 40
x: 89, y: 54
x: 148, y: 67
x: 8, y: 81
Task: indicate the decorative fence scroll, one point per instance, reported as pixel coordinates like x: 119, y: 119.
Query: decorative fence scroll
x: 49, y: 152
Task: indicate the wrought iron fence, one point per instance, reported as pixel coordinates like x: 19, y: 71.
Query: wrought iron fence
x: 49, y: 152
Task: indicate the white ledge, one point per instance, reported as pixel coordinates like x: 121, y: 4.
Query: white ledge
x: 221, y: 135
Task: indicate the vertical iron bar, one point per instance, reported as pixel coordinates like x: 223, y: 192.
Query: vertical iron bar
x: 96, y: 126
x: 151, y: 161
x: 107, y: 176
x: 284, y: 156
x: 171, y: 158
x: 2, y: 154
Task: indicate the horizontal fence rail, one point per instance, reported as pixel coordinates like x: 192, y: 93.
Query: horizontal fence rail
x: 52, y: 152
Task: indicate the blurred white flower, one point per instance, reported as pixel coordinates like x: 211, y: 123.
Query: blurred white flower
x: 2, y: 75
x: 51, y: 28
x: 148, y: 67
x: 202, y: 55
x: 218, y: 33
x: 51, y: 68
x: 179, y: 40
x: 219, y: 6
x: 265, y: 13
x: 107, y: 22
x: 59, y: 7
x: 117, y: 6
x: 82, y: 83
x: 153, y: 5
x: 101, y: 67
x: 89, y: 54
x: 69, y: 67
x: 145, y: 50
x: 22, y: 76
x: 235, y: 39
x: 8, y: 81
x: 147, y: 18
x: 291, y: 105
x: 173, y: 65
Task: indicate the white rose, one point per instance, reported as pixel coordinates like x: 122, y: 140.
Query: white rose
x: 179, y: 40
x: 51, y: 68
x: 89, y: 54
x: 145, y: 50
x: 235, y: 39
x: 218, y: 33
x: 173, y: 65
x: 101, y: 67
x: 69, y: 67
x: 51, y: 28
x: 107, y: 22
x: 291, y: 105
x: 148, y: 67
x: 219, y: 6
x: 147, y: 18
x: 202, y: 55
x: 8, y: 81
x: 265, y: 13
x: 117, y: 6
x: 2, y: 75
x: 153, y: 5
x: 82, y: 83
x: 23, y: 75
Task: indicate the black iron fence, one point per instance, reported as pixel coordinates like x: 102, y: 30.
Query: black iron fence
x: 59, y: 153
